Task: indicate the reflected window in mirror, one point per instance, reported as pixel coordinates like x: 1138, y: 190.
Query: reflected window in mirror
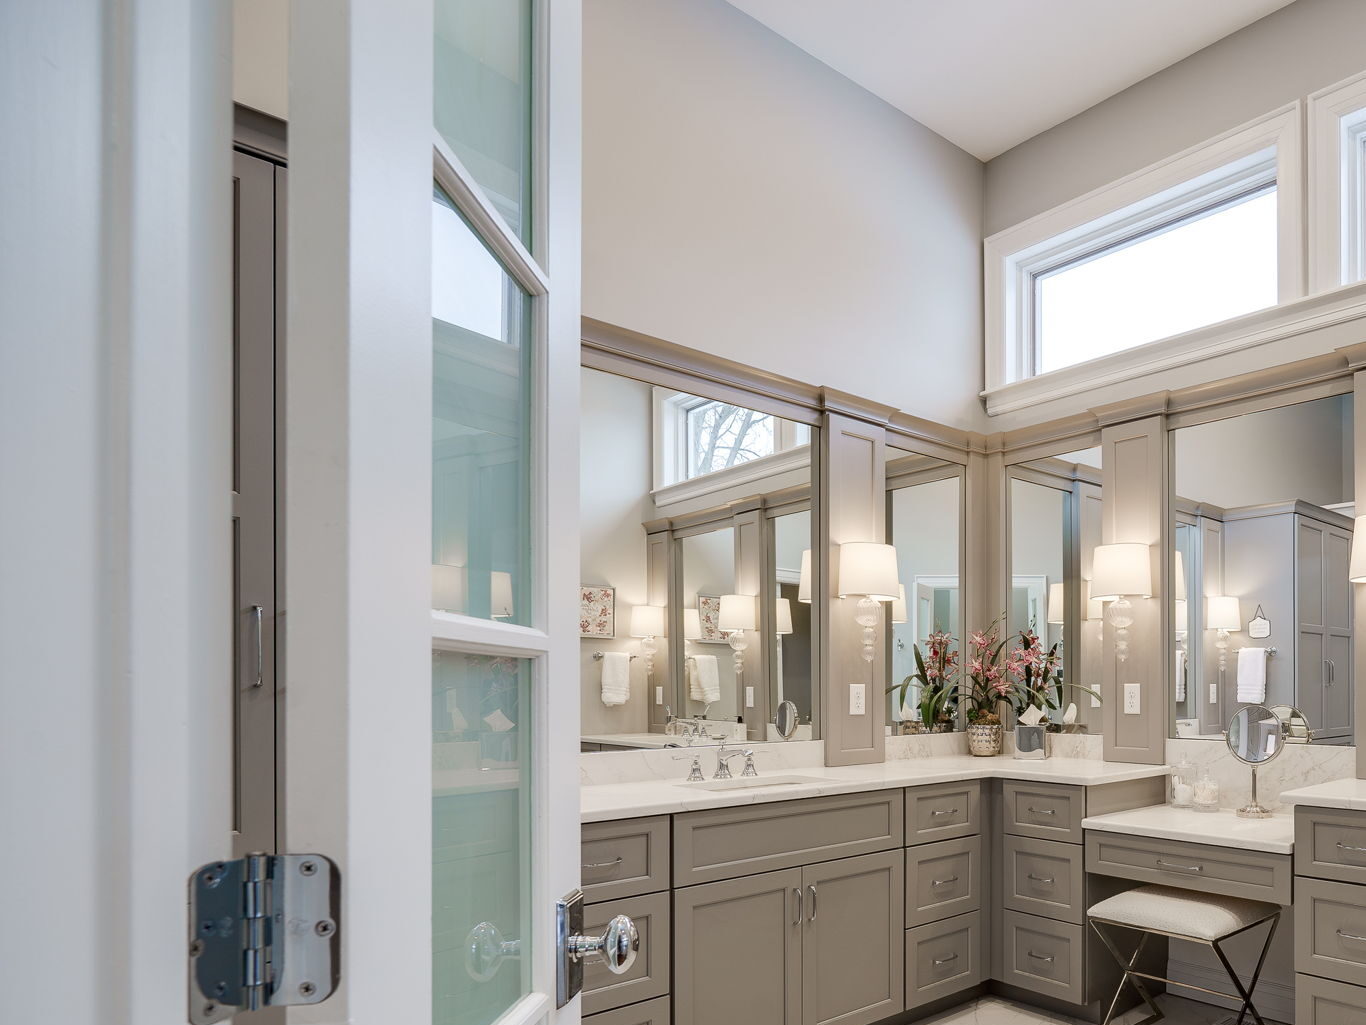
x: 926, y: 627
x: 1262, y: 530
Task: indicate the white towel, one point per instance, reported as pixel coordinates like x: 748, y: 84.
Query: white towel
x: 616, y: 677
x: 1180, y: 675
x: 1252, y: 675
x: 704, y: 679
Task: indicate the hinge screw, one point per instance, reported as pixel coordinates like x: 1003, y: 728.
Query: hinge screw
x: 308, y: 868
x: 196, y: 948
x: 209, y: 1009
x: 325, y: 928
x: 307, y: 989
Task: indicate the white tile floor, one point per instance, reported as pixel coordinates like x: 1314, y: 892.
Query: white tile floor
x: 995, y: 1011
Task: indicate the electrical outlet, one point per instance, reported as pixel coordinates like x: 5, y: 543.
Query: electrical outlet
x: 1095, y: 701
x: 858, y: 702
x: 1213, y: 693
x: 749, y: 697
x: 659, y: 695
x: 1132, y: 695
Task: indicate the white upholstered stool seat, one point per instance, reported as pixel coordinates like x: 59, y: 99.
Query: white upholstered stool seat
x: 1166, y: 909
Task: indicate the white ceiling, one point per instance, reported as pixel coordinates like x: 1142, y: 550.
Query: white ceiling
x: 988, y: 74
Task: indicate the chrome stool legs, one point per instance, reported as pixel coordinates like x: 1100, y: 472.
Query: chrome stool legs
x: 1131, y: 974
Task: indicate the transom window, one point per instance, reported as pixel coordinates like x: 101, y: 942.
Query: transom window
x: 721, y: 435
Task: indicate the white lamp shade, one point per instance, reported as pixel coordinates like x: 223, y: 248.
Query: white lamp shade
x: 448, y: 588
x: 804, y: 582
x: 899, y: 605
x: 868, y: 568
x: 692, y: 625
x: 737, y: 612
x: 500, y: 594
x: 1356, y: 568
x: 1179, y: 578
x: 1180, y: 612
x: 647, y: 621
x: 1095, y: 608
x: 1222, y: 613
x: 784, y: 616
x: 1121, y: 569
x: 1055, y: 604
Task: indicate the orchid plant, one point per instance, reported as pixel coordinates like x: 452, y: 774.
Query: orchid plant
x: 936, y: 675
x: 989, y: 680
x: 1039, y: 673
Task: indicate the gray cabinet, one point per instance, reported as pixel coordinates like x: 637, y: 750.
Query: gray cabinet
x: 1330, y: 916
x: 648, y: 977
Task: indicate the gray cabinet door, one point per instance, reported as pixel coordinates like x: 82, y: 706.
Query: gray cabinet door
x: 737, y: 950
x: 853, y: 959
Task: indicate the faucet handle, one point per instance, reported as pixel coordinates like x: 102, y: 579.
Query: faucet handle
x: 749, y: 769
x: 695, y: 771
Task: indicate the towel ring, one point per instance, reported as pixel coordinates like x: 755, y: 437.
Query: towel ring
x: 598, y: 656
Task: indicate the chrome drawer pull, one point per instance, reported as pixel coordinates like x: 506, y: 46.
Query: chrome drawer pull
x: 798, y: 891
x: 945, y: 960
x: 940, y: 811
x: 1351, y: 936
x: 1183, y: 868
x: 945, y: 882
x: 812, y: 888
x: 604, y: 864
x: 1040, y: 957
x: 1047, y: 881
x: 1348, y: 847
x: 1043, y: 811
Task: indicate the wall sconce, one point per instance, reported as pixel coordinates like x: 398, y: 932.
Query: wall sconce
x: 1356, y: 565
x: 737, y: 615
x: 1056, y: 614
x: 1095, y: 608
x: 868, y: 571
x: 804, y: 581
x: 1222, y: 614
x: 783, y: 616
x: 448, y: 588
x: 500, y: 595
x: 692, y: 625
x: 647, y: 623
x: 1179, y: 607
x: 1117, y: 572
x: 899, y: 610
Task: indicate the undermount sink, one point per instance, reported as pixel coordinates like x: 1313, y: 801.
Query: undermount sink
x: 750, y: 782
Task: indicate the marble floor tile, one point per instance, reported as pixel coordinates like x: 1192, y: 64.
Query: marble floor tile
x: 995, y: 1011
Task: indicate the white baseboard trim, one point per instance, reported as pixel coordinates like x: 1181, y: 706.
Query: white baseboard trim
x: 1275, y: 1000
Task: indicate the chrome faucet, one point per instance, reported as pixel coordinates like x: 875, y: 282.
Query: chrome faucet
x: 723, y: 758
x: 695, y: 770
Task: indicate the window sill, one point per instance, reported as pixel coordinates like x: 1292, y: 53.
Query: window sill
x: 1324, y: 310
x: 723, y: 480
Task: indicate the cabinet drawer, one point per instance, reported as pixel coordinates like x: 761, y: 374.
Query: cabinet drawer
x: 942, y: 811
x: 1047, y: 811
x: 649, y: 976
x: 1044, y: 956
x: 943, y: 958
x: 1330, y: 844
x: 728, y: 842
x: 1253, y: 874
x: 622, y: 859
x: 1043, y: 877
x: 652, y: 1012
x: 943, y: 879
x: 1324, y: 1002
x: 1330, y: 930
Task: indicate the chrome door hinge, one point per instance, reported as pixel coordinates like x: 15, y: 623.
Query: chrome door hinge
x: 263, y: 933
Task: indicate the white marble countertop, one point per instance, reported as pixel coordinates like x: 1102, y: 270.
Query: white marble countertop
x: 641, y: 740
x: 1337, y: 793
x: 1222, y: 828
x: 607, y: 801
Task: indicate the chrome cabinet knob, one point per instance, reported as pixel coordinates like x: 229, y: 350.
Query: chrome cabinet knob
x: 616, y: 947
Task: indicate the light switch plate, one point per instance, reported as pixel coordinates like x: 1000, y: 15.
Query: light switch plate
x: 858, y: 702
x: 659, y: 695
x: 749, y: 697
x: 1132, y: 697
x: 1213, y: 693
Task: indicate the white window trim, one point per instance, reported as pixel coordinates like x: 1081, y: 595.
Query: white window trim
x: 1267, y: 148
x: 763, y: 468
x: 1336, y: 119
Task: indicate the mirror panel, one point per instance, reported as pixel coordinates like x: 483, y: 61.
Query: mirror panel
x: 925, y: 525
x: 692, y: 509
x: 1262, y: 527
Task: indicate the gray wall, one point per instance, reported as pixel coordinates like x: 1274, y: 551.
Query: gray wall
x: 1283, y: 57
x: 742, y: 198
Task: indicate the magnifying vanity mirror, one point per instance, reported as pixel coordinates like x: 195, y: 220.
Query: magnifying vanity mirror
x: 1256, y: 735
x: 1054, y: 530
x: 1262, y: 520
x: 695, y: 603
x: 925, y: 525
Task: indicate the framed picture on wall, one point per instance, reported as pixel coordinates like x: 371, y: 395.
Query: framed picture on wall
x: 709, y: 617
x: 597, y: 611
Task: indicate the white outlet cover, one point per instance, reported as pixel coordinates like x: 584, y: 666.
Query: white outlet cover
x: 749, y: 697
x: 858, y: 703
x: 1213, y: 693
x: 659, y: 695
x: 1132, y: 698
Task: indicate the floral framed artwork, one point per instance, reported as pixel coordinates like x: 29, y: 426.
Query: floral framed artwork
x: 709, y: 616
x: 598, y: 611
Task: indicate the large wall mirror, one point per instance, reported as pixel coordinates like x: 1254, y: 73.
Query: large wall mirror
x: 926, y: 627
x: 697, y: 526
x: 1054, y: 527
x: 1262, y: 516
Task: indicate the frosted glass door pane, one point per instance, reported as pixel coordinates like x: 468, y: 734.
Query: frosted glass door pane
x: 483, y: 98
x: 481, y: 836
x: 481, y: 418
